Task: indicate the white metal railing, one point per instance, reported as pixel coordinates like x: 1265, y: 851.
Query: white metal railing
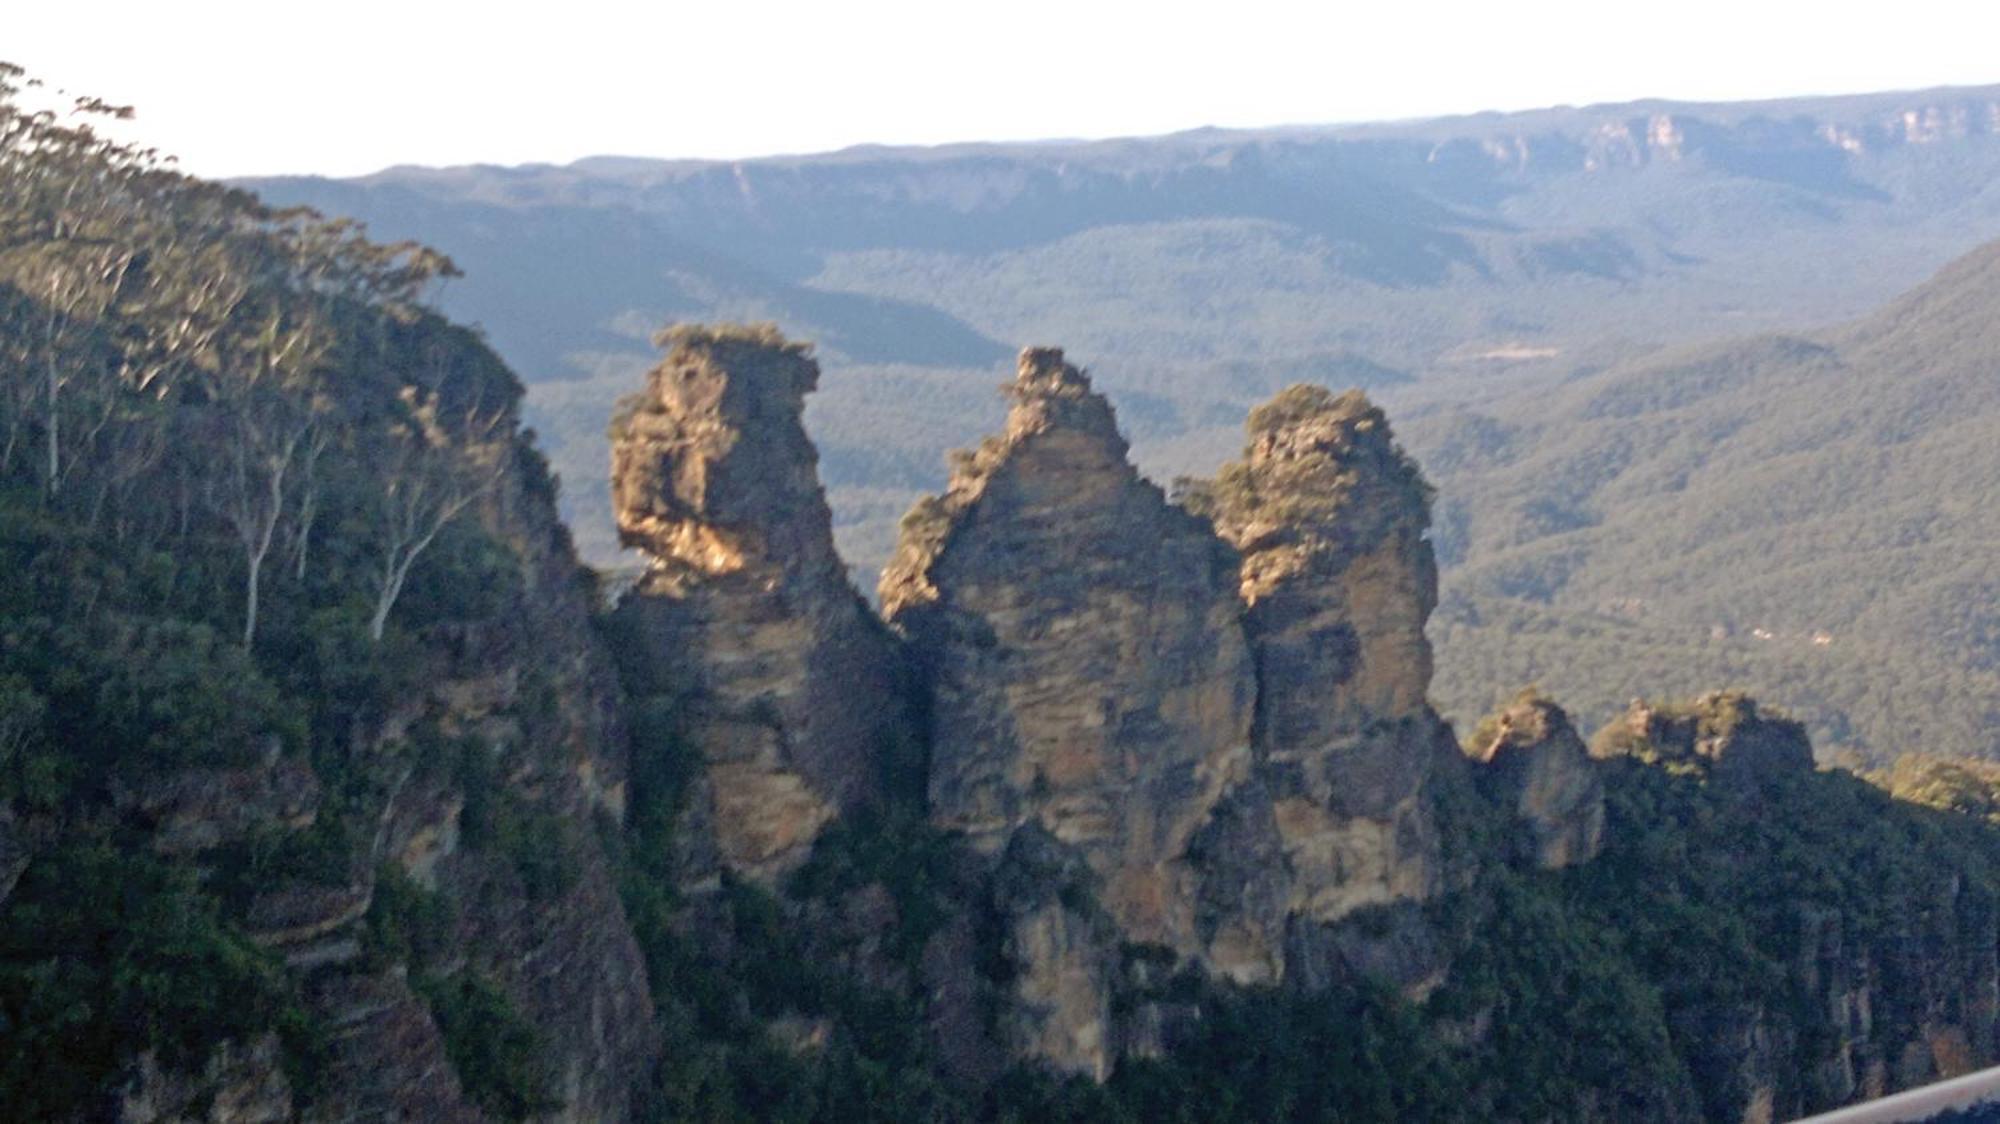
x: 1921, y: 1103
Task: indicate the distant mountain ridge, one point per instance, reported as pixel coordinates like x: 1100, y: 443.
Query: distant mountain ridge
x: 1197, y: 272
x: 1851, y: 123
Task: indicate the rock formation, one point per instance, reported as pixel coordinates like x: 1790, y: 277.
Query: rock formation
x: 784, y: 682
x: 1229, y: 730
x: 1330, y: 517
x: 1118, y: 772
x: 1722, y: 732
x: 1088, y: 678
x: 1337, y: 581
x: 1535, y: 765
x: 1062, y: 950
x: 1080, y: 638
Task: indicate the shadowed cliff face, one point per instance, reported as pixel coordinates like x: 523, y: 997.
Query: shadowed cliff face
x: 1536, y: 765
x: 785, y: 684
x: 1088, y: 677
x: 528, y: 697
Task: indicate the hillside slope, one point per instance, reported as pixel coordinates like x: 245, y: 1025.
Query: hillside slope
x: 1810, y: 516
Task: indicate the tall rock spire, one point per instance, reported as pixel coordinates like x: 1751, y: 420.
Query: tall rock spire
x: 1337, y: 582
x: 786, y: 684
x: 1089, y: 682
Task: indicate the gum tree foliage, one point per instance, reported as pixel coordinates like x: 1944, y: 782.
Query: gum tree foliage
x: 178, y: 354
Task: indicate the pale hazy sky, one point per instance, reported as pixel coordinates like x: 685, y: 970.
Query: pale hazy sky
x: 238, y: 87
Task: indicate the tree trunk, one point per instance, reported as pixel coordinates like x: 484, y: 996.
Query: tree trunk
x: 305, y: 538
x: 250, y: 600
x: 55, y: 428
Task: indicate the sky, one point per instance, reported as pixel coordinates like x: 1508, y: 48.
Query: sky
x: 289, y: 86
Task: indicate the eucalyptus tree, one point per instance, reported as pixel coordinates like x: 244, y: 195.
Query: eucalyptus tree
x: 270, y: 409
x: 436, y: 466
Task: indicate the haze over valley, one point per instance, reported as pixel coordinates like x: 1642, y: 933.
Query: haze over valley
x: 1458, y: 269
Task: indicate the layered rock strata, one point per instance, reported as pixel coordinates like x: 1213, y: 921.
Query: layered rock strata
x: 1088, y: 678
x: 784, y: 682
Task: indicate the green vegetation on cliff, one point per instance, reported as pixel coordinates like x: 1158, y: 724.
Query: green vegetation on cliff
x: 255, y: 500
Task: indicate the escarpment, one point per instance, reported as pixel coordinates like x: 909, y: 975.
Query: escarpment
x: 499, y: 753
x: 782, y: 681
x: 1143, y: 791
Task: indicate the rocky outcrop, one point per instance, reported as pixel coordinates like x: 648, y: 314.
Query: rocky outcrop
x: 1722, y: 732
x: 1535, y: 765
x: 784, y: 683
x: 1090, y: 697
x: 1226, y: 731
x: 1080, y: 640
x: 237, y: 1085
x: 386, y: 1059
x: 1061, y: 950
x: 1337, y: 581
x: 195, y: 809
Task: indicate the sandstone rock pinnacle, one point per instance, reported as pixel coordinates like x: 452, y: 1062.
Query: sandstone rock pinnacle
x: 1337, y: 581
x: 787, y: 687
x: 1088, y: 676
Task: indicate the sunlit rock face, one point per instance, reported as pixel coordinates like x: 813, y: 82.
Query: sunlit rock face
x: 785, y: 683
x: 1337, y: 576
x: 1214, y: 709
x: 1090, y: 697
x: 1534, y: 765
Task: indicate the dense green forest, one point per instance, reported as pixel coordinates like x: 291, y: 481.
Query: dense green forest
x: 1803, y: 516
x: 239, y: 464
